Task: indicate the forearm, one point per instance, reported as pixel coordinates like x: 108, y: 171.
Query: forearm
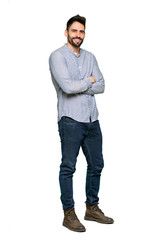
x: 74, y: 86
x: 97, y: 88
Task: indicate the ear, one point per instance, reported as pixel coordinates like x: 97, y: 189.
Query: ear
x: 66, y: 33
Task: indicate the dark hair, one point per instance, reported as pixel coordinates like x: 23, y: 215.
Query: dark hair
x: 76, y: 18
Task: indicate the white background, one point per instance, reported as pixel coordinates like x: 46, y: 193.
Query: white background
x: 125, y: 38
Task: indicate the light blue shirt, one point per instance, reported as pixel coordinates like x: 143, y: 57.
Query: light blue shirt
x: 71, y: 78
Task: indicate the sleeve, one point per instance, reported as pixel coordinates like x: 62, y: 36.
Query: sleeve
x: 99, y: 85
x: 59, y: 69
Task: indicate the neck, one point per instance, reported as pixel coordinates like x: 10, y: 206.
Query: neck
x: 75, y: 49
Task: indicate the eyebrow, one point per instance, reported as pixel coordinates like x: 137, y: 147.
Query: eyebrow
x: 74, y: 30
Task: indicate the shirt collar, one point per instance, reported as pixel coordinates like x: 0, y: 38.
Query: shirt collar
x: 72, y: 52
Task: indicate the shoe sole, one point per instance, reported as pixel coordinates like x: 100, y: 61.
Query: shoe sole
x: 74, y: 230
x: 95, y: 220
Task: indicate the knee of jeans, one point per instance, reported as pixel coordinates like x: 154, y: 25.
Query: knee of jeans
x: 99, y: 167
x: 102, y: 165
x: 67, y: 169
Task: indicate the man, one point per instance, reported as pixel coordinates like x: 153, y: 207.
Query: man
x: 77, y: 78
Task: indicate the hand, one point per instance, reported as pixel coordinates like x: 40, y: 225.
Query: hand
x: 92, y: 79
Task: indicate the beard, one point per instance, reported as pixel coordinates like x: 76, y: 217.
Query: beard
x: 75, y: 44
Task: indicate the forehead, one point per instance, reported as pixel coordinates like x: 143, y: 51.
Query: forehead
x: 77, y: 25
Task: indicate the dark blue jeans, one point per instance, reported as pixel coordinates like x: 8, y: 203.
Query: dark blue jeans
x: 74, y: 135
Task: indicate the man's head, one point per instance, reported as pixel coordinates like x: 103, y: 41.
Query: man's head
x: 75, y: 31
x: 76, y: 18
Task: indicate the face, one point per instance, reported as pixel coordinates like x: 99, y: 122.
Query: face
x: 76, y: 34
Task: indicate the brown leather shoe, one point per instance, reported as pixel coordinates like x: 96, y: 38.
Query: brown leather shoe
x: 72, y: 222
x: 94, y: 213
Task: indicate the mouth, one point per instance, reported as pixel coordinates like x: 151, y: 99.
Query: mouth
x: 77, y: 40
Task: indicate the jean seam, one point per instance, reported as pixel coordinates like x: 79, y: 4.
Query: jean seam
x: 91, y: 162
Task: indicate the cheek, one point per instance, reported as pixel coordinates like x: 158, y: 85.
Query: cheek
x: 83, y: 36
x: 71, y: 36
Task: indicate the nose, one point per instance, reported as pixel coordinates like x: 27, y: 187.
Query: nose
x: 78, y: 34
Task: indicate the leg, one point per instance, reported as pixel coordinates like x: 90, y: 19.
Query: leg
x: 92, y: 149
x: 70, y: 134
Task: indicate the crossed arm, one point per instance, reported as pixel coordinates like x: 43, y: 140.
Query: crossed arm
x: 98, y: 85
x: 90, y: 85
